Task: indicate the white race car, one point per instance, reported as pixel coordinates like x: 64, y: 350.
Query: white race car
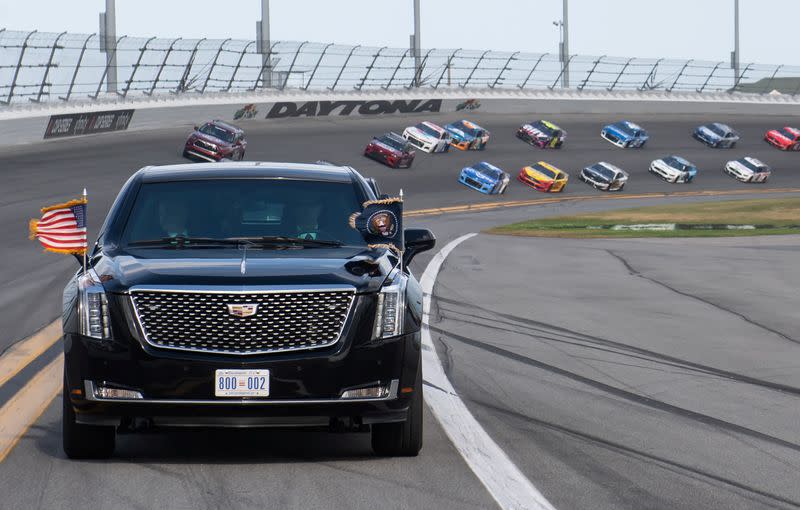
x: 604, y: 176
x: 674, y: 169
x: 747, y: 169
x: 428, y: 137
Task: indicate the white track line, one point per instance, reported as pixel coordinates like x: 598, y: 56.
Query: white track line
x: 504, y: 481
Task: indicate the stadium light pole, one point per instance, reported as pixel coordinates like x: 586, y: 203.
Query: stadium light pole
x: 263, y: 44
x: 108, y: 43
x: 735, y: 54
x: 415, y: 45
x: 561, y: 58
x: 565, y: 27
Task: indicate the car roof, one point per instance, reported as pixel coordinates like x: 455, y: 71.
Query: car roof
x: 608, y: 165
x: 246, y: 169
x: 227, y: 125
x: 679, y: 160
x: 393, y: 136
x: 754, y: 161
x: 433, y: 126
x: 548, y: 166
x: 487, y: 164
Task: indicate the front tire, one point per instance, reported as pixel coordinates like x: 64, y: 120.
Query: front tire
x: 84, y: 441
x: 402, y: 439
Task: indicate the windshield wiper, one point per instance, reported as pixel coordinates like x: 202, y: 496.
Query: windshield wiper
x: 184, y: 241
x: 289, y: 241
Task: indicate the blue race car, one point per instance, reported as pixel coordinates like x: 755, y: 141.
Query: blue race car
x: 485, y: 177
x: 625, y: 134
x: 716, y: 135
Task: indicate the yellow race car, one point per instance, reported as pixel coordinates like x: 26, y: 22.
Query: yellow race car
x: 543, y: 176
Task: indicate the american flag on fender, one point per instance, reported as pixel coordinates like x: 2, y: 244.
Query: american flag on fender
x: 62, y: 228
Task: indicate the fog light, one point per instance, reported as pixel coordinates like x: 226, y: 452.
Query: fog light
x: 112, y: 393
x: 371, y: 392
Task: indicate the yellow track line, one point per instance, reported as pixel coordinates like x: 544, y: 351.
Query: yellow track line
x: 540, y: 201
x: 28, y: 404
x: 19, y: 355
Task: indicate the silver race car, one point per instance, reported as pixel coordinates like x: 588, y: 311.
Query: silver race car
x: 604, y: 176
x: 673, y: 169
x: 748, y: 169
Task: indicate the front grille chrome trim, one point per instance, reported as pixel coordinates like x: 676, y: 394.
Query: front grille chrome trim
x: 256, y: 291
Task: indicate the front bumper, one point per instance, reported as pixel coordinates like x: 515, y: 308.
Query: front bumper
x: 539, y: 186
x: 202, y: 153
x: 178, y: 388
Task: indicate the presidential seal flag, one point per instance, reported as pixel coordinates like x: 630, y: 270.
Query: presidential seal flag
x: 381, y: 223
x: 62, y: 228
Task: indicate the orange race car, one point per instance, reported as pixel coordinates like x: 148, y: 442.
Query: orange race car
x: 543, y: 176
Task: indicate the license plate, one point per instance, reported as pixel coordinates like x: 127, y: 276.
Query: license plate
x: 241, y: 383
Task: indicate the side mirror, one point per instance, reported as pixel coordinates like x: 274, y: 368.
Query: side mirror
x: 417, y: 240
x: 195, y: 128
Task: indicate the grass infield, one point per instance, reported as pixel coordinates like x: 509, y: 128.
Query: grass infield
x: 769, y: 216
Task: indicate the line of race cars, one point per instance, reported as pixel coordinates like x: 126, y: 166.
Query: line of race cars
x: 218, y: 140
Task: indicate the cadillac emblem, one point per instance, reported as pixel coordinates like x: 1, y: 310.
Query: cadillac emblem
x: 242, y: 309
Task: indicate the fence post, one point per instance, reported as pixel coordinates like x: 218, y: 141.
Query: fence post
x: 16, y: 70
x: 620, y: 74
x: 504, y: 69
x: 182, y: 85
x: 135, y: 68
x: 478, y: 63
x: 532, y: 70
x: 336, y: 82
x: 77, y: 68
x: 47, y: 69
x: 213, y: 65
x: 319, y: 61
x: 292, y: 65
x: 105, y: 71
x: 651, y: 75
x: 160, y: 69
x: 446, y: 69
x: 701, y: 89
x: 738, y: 78
x: 369, y: 68
x: 591, y: 72
x: 265, y: 63
x: 421, y: 67
x: 563, y: 68
x: 394, y: 73
x: 766, y: 88
x: 675, y: 81
x: 238, y: 63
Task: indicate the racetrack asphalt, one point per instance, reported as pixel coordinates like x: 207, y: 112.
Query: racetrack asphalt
x: 576, y: 381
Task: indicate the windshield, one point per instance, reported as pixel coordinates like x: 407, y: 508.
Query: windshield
x: 629, y: 128
x: 752, y: 166
x: 788, y: 134
x: 466, y: 129
x: 217, y: 132
x: 677, y: 163
x: 251, y: 208
x: 716, y: 130
x: 605, y: 172
x: 392, y: 142
x: 541, y: 126
x: 427, y: 130
x: 544, y: 170
x: 488, y: 171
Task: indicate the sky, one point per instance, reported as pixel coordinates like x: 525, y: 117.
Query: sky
x: 698, y: 29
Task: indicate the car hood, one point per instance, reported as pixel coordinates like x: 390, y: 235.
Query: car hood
x: 479, y: 176
x: 597, y: 175
x: 535, y: 131
x: 416, y: 133
x: 707, y: 132
x: 211, y: 139
x: 365, y: 270
x: 388, y: 148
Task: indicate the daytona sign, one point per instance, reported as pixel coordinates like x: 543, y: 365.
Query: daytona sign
x: 73, y: 124
x: 344, y: 108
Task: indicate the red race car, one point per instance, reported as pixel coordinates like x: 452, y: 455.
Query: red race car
x: 214, y: 141
x: 390, y: 149
x: 786, y: 138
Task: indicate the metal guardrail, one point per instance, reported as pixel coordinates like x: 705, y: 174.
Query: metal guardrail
x: 38, y: 67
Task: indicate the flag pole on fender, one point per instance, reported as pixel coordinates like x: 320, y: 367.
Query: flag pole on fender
x: 86, y: 248
x: 62, y: 229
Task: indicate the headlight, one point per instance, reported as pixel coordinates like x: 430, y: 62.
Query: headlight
x: 390, y: 311
x: 95, y: 320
